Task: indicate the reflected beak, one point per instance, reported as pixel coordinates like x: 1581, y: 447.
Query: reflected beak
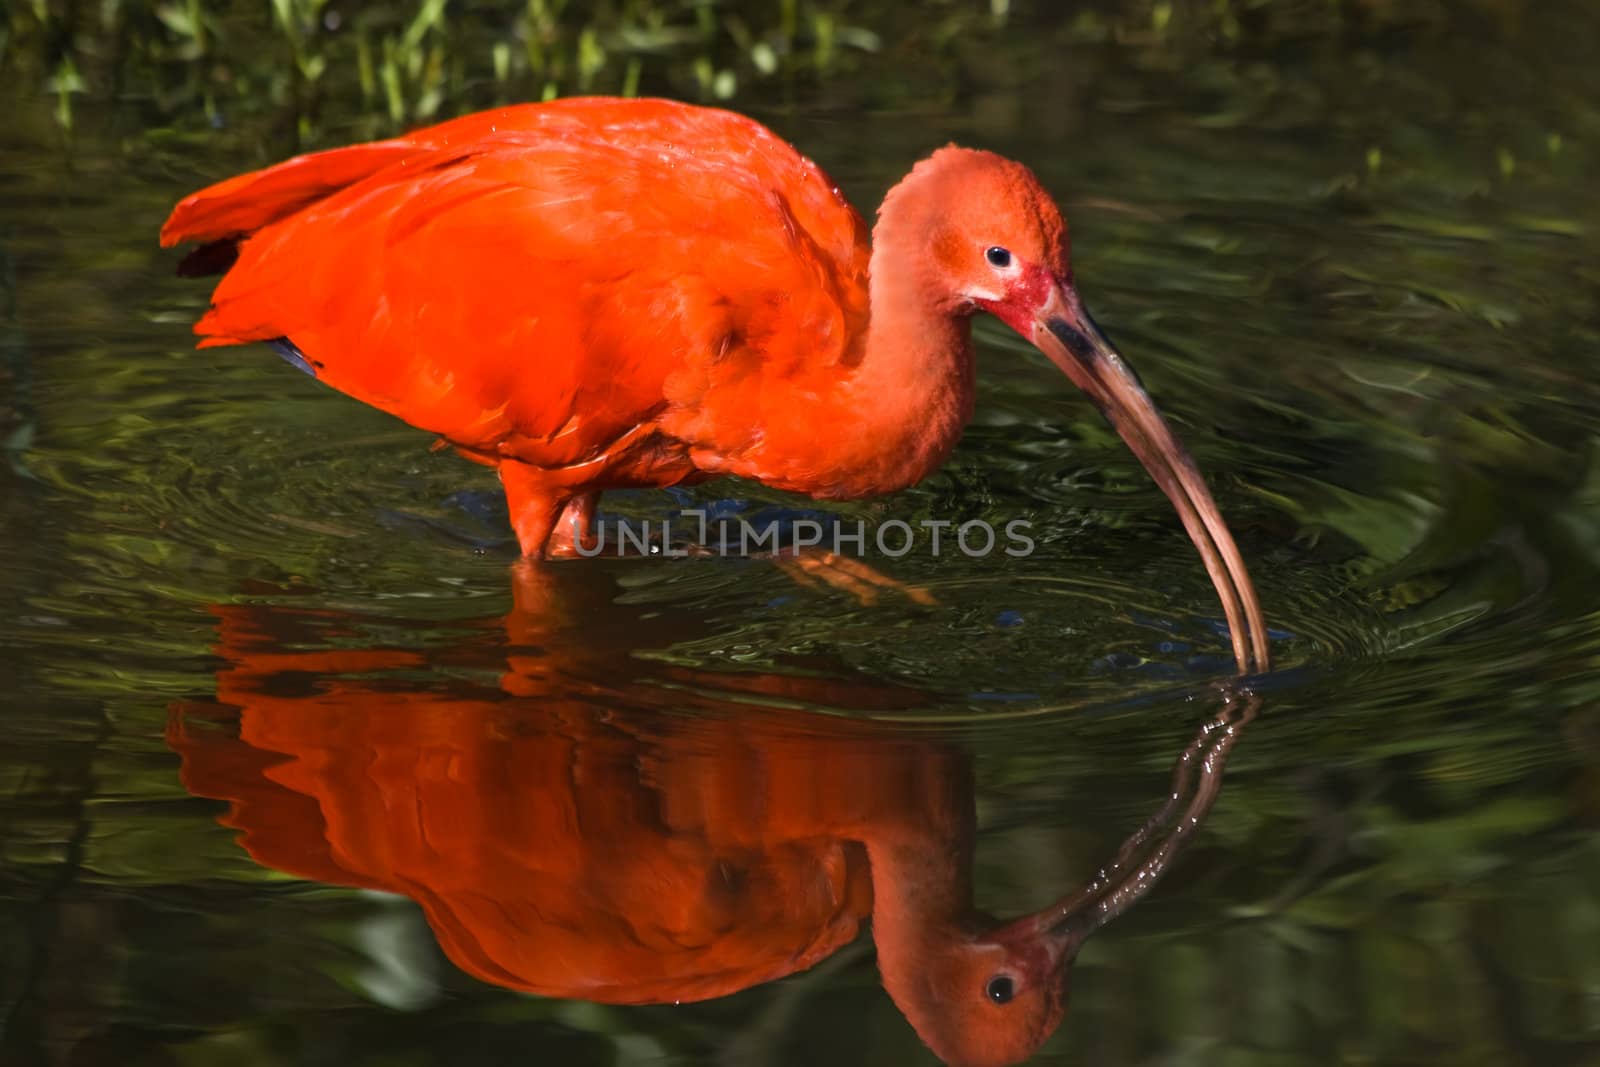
x: 1063, y: 330
x: 1048, y: 941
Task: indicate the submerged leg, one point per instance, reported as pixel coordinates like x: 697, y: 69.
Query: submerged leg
x: 820, y: 568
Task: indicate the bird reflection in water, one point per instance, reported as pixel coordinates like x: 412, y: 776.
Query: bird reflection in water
x: 579, y: 821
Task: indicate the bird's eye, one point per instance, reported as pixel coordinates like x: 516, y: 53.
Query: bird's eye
x: 998, y: 257
x: 1001, y: 987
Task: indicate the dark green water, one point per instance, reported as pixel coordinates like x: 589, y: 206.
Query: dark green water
x: 1357, y: 268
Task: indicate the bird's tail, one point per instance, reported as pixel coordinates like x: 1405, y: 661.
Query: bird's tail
x: 221, y: 214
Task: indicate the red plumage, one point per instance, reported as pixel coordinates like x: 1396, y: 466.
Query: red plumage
x: 598, y: 293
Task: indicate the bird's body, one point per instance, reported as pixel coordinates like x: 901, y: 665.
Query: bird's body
x: 590, y: 294
x: 599, y: 293
x: 556, y: 849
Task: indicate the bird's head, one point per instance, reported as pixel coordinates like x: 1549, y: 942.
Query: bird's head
x: 989, y: 1000
x: 986, y: 993
x: 982, y: 234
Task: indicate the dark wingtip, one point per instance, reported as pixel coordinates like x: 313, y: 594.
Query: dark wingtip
x: 293, y: 356
x: 215, y: 257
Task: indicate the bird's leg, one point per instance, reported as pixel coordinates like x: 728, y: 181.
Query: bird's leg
x: 574, y: 528
x: 538, y: 610
x: 534, y: 504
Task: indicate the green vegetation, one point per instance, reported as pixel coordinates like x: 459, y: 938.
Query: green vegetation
x: 404, y: 63
x: 415, y: 61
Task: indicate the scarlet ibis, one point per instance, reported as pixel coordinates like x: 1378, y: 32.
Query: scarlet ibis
x: 567, y: 834
x: 596, y: 293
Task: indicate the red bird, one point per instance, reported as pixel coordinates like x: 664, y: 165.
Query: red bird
x: 599, y: 293
x: 573, y: 833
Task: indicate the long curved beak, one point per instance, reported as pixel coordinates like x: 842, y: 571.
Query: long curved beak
x: 1063, y: 330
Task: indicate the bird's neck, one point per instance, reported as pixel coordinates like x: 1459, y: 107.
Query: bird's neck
x: 921, y: 908
x: 891, y: 410
x: 911, y: 807
x: 919, y: 882
x: 912, y: 391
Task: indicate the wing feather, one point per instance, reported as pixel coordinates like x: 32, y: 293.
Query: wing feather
x: 544, y: 280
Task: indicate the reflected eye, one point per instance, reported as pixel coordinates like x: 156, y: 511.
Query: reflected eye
x: 1001, y: 987
x: 998, y: 257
